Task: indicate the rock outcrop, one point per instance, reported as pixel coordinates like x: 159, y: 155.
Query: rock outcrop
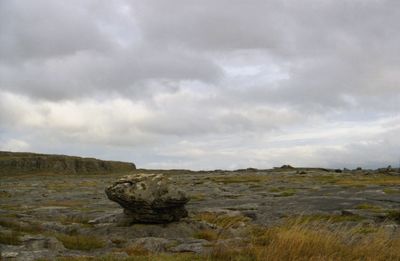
x: 20, y: 162
x: 148, y: 198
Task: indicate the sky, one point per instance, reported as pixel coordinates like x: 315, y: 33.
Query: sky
x: 211, y: 84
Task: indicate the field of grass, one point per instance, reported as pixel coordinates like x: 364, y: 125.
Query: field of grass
x: 293, y: 240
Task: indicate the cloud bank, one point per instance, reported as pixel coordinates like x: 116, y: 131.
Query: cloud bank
x: 203, y: 85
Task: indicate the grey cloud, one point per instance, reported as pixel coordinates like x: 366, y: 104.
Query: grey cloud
x: 40, y: 29
x: 57, y: 50
x: 331, y: 49
x: 187, y: 83
x: 85, y: 73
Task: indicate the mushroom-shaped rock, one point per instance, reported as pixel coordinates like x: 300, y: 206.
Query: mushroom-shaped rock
x: 148, y: 198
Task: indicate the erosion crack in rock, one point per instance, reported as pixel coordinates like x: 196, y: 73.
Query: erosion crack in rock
x: 148, y: 198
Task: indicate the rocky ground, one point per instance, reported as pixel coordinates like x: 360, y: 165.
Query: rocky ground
x: 50, y: 216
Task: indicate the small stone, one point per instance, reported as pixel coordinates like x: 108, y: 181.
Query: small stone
x: 152, y: 244
x: 193, y: 247
x: 9, y: 254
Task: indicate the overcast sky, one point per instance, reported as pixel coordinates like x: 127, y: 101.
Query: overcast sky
x: 203, y: 84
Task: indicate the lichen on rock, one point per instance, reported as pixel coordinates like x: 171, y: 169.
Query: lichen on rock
x: 148, y: 198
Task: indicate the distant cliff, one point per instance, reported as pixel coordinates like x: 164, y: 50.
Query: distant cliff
x: 21, y: 162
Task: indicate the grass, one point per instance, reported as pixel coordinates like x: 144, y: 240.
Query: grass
x: 391, y: 191
x: 60, y: 186
x: 66, y: 220
x: 327, y: 218
x: 353, y: 180
x: 222, y: 220
x: 207, y: 234
x: 283, y: 192
x: 160, y: 257
x: 302, y: 241
x: 5, y: 194
x: 21, y: 227
x: 10, y: 238
x: 198, y: 197
x: 136, y: 250
x: 63, y: 203
x: 366, y: 206
x: 380, y: 180
x: 81, y: 242
x: 243, y: 178
x: 394, y: 215
x: 365, y: 230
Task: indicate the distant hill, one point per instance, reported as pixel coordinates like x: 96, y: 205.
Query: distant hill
x: 23, y: 162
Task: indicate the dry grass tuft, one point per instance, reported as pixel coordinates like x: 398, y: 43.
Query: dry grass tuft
x: 207, y: 234
x: 136, y: 250
x: 303, y: 241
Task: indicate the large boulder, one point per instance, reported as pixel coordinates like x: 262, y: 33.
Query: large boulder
x: 148, y: 198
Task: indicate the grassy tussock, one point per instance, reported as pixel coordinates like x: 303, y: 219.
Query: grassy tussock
x: 207, y: 234
x: 80, y: 242
x: 136, y: 250
x: 302, y: 241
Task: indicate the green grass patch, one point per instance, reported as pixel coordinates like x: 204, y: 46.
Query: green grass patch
x: 5, y: 194
x: 67, y: 220
x: 249, y: 178
x: 283, y: 192
x: 81, y: 242
x: 394, y: 215
x: 366, y: 206
x: 10, y: 238
x: 21, y: 227
x: 391, y: 191
x: 198, y: 197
